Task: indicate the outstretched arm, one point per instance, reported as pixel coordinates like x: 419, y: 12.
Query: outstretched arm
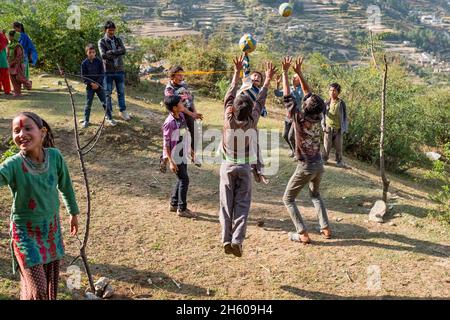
x: 231, y: 94
x: 289, y: 101
x: 261, y: 99
x: 286, y: 64
x: 298, y: 69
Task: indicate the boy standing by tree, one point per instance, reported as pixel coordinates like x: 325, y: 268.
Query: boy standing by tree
x: 334, y: 125
x: 112, y: 51
x: 93, y: 73
x: 310, y: 168
x: 239, y: 149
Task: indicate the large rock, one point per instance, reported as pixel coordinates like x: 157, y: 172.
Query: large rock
x: 108, y: 292
x: 377, y: 212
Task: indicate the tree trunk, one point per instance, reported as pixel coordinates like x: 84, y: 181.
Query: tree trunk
x: 385, y: 180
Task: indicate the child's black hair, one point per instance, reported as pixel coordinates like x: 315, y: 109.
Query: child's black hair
x: 171, y: 102
x: 89, y: 46
x: 336, y: 86
x: 174, y: 70
x: 109, y: 25
x: 49, y: 140
x: 12, y: 33
x: 19, y: 25
x: 243, y: 105
x: 313, y: 104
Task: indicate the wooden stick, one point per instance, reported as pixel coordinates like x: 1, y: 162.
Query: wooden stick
x: 86, y: 183
x: 384, y: 178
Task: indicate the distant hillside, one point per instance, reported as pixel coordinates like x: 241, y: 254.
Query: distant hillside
x: 416, y: 30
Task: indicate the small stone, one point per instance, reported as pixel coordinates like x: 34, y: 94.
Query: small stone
x: 108, y: 292
x: 260, y: 223
x: 150, y: 282
x: 378, y: 211
x: 392, y: 224
x: 209, y: 292
x: 101, y: 284
x: 397, y: 215
x: 339, y: 219
x: 91, y: 296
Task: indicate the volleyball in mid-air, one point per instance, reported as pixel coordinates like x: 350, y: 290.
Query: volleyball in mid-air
x: 247, y: 43
x: 285, y: 9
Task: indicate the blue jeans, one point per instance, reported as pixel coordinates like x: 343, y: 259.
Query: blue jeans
x: 180, y: 190
x: 119, y: 79
x: 90, y: 93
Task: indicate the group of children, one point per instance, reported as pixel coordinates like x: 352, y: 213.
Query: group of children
x: 38, y: 173
x: 17, y: 51
x: 307, y: 116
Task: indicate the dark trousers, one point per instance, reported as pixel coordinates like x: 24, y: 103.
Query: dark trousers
x: 90, y: 93
x: 180, y: 190
x: 289, y: 134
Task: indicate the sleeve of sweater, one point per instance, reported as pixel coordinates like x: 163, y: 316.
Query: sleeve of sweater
x: 65, y: 185
x: 6, y: 173
x: 84, y: 73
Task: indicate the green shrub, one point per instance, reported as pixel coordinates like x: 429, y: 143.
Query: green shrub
x: 441, y: 171
x: 45, y: 22
x: 13, y: 149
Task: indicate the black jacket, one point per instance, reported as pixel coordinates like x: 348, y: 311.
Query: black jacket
x: 112, y: 59
x: 93, y: 71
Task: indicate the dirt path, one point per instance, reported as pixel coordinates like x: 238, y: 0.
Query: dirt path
x: 134, y: 238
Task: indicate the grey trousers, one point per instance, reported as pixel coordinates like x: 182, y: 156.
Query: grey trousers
x: 332, y: 137
x: 235, y: 198
x: 310, y: 174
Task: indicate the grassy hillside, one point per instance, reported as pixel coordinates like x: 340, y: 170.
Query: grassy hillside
x: 134, y: 238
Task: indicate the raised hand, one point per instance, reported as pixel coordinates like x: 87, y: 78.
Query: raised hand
x: 238, y: 63
x: 298, y: 65
x: 286, y: 63
x: 271, y: 70
x: 278, y: 79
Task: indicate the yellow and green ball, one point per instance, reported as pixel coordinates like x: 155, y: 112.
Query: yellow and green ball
x: 285, y: 9
x: 247, y: 43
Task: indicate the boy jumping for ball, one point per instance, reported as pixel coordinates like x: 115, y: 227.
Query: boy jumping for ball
x: 310, y: 167
x: 239, y: 150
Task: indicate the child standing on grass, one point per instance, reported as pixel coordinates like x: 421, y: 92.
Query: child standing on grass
x: 4, y: 75
x: 334, y: 125
x: 177, y: 86
x: 307, y: 148
x: 16, y: 67
x: 34, y: 176
x: 239, y: 149
x: 175, y: 150
x: 93, y: 72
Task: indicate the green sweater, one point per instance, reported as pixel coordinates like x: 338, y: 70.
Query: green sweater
x: 35, y: 223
